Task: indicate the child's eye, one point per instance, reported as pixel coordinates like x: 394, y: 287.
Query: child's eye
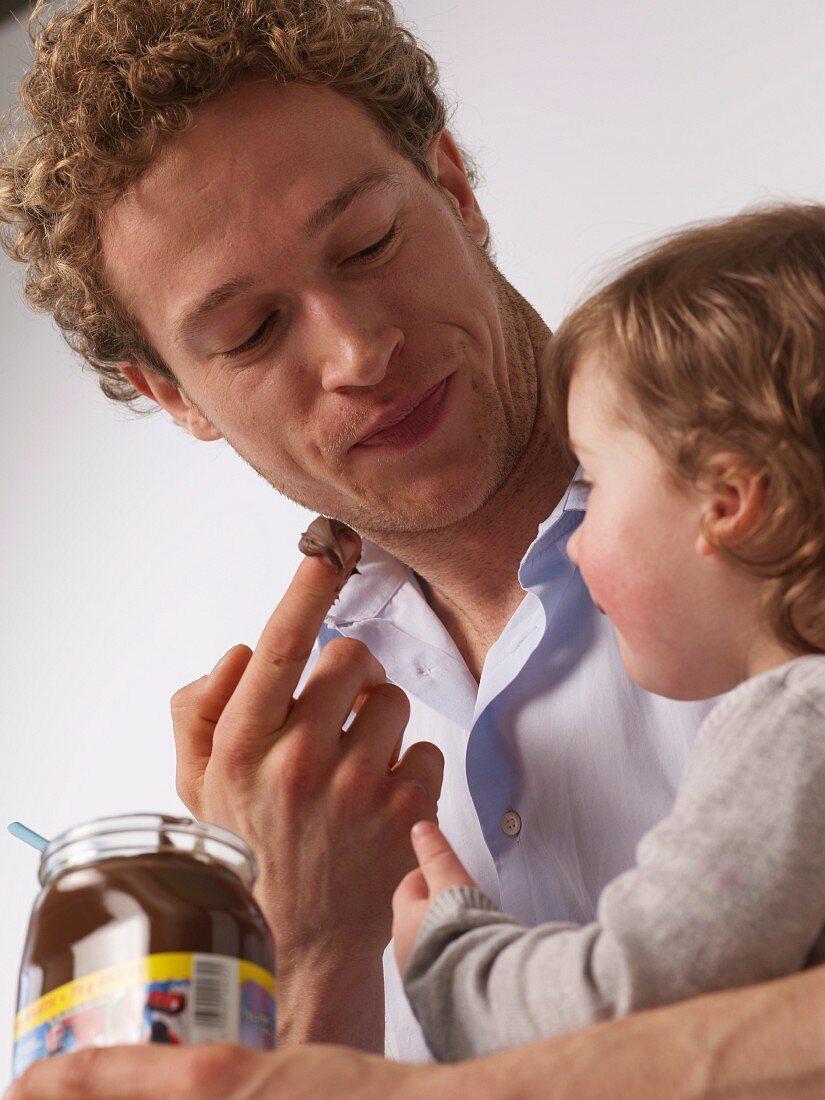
x: 583, y: 483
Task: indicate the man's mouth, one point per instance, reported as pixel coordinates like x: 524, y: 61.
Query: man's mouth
x: 409, y: 422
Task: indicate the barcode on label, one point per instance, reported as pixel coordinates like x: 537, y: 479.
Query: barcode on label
x: 215, y: 999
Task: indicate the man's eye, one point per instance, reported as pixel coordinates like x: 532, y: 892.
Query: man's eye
x: 377, y: 248
x: 257, y: 336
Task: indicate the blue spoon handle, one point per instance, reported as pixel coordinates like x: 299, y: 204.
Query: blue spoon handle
x: 28, y: 836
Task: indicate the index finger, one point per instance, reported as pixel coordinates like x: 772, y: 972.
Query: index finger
x: 264, y: 694
x: 439, y: 864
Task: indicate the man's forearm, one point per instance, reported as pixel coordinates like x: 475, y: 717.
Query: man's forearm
x: 766, y: 1043
x: 761, y: 1043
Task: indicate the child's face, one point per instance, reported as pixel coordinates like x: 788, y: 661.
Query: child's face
x: 636, y: 550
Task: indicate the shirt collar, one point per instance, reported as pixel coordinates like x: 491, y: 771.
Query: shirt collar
x: 368, y: 591
x: 380, y: 575
x: 558, y: 526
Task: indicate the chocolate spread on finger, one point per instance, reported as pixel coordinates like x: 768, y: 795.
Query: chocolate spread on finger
x: 333, y: 541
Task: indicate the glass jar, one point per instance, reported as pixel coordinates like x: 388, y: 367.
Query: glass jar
x: 145, y: 930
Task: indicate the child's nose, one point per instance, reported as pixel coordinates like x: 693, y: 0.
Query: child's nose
x: 572, y: 546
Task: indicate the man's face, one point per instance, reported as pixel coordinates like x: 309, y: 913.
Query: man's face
x: 327, y: 309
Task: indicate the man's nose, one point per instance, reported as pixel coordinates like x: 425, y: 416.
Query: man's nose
x: 351, y: 346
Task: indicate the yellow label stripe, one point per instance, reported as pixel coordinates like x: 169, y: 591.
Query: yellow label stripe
x: 165, y: 967
x: 251, y: 972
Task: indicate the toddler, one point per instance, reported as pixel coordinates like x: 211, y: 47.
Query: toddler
x: 694, y: 390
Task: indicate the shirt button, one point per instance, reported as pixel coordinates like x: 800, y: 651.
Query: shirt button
x: 511, y: 823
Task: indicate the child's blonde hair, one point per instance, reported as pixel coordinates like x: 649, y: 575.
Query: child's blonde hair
x: 716, y: 340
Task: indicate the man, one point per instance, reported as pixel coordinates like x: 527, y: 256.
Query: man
x: 251, y: 214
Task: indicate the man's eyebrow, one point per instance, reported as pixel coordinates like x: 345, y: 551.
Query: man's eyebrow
x: 377, y: 180
x: 190, y: 320
x: 333, y: 208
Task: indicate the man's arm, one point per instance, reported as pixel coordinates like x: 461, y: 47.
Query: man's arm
x: 326, y: 813
x: 762, y: 1043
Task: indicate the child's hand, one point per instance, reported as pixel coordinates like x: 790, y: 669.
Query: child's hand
x: 439, y: 867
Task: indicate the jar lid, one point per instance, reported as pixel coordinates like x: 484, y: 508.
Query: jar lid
x: 139, y: 834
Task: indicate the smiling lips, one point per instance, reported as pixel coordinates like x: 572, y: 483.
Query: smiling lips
x: 409, y: 423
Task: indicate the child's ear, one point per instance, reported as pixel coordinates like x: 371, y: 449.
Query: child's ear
x: 170, y: 397
x: 735, y: 503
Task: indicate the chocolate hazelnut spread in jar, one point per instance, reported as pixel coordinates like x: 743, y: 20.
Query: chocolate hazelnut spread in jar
x: 145, y: 931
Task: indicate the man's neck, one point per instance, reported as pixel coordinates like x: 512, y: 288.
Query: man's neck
x: 469, y: 570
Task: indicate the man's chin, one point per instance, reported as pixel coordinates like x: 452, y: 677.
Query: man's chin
x: 430, y: 502
x: 397, y: 514
x: 429, y: 513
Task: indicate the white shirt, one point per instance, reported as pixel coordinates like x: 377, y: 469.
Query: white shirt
x: 556, y: 763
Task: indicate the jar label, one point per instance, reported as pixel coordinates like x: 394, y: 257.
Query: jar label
x: 165, y: 998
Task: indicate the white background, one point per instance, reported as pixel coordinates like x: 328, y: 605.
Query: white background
x: 133, y: 557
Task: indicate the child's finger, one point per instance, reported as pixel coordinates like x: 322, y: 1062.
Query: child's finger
x: 411, y: 889
x: 439, y: 864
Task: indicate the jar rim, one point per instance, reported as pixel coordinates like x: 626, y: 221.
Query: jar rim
x: 109, y: 837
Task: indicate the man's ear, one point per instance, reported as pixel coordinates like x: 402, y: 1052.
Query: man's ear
x: 451, y: 175
x: 166, y: 394
x: 735, y: 504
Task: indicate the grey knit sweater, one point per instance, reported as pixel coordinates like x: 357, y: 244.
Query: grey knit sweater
x: 728, y: 890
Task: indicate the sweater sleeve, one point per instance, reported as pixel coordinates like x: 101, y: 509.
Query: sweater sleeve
x: 728, y: 890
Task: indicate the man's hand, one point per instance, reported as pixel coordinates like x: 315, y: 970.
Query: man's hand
x: 327, y: 813
x: 438, y: 869
x: 221, y: 1072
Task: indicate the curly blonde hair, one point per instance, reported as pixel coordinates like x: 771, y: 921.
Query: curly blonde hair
x: 111, y: 78
x: 716, y: 340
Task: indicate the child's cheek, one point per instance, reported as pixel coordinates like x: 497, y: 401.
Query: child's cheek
x: 598, y: 568
x: 616, y: 587
x: 634, y: 601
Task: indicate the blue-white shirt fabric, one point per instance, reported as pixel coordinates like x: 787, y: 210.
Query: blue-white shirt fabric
x: 555, y: 730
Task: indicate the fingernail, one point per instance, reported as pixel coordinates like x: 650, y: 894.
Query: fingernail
x: 212, y: 673
x: 422, y: 829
